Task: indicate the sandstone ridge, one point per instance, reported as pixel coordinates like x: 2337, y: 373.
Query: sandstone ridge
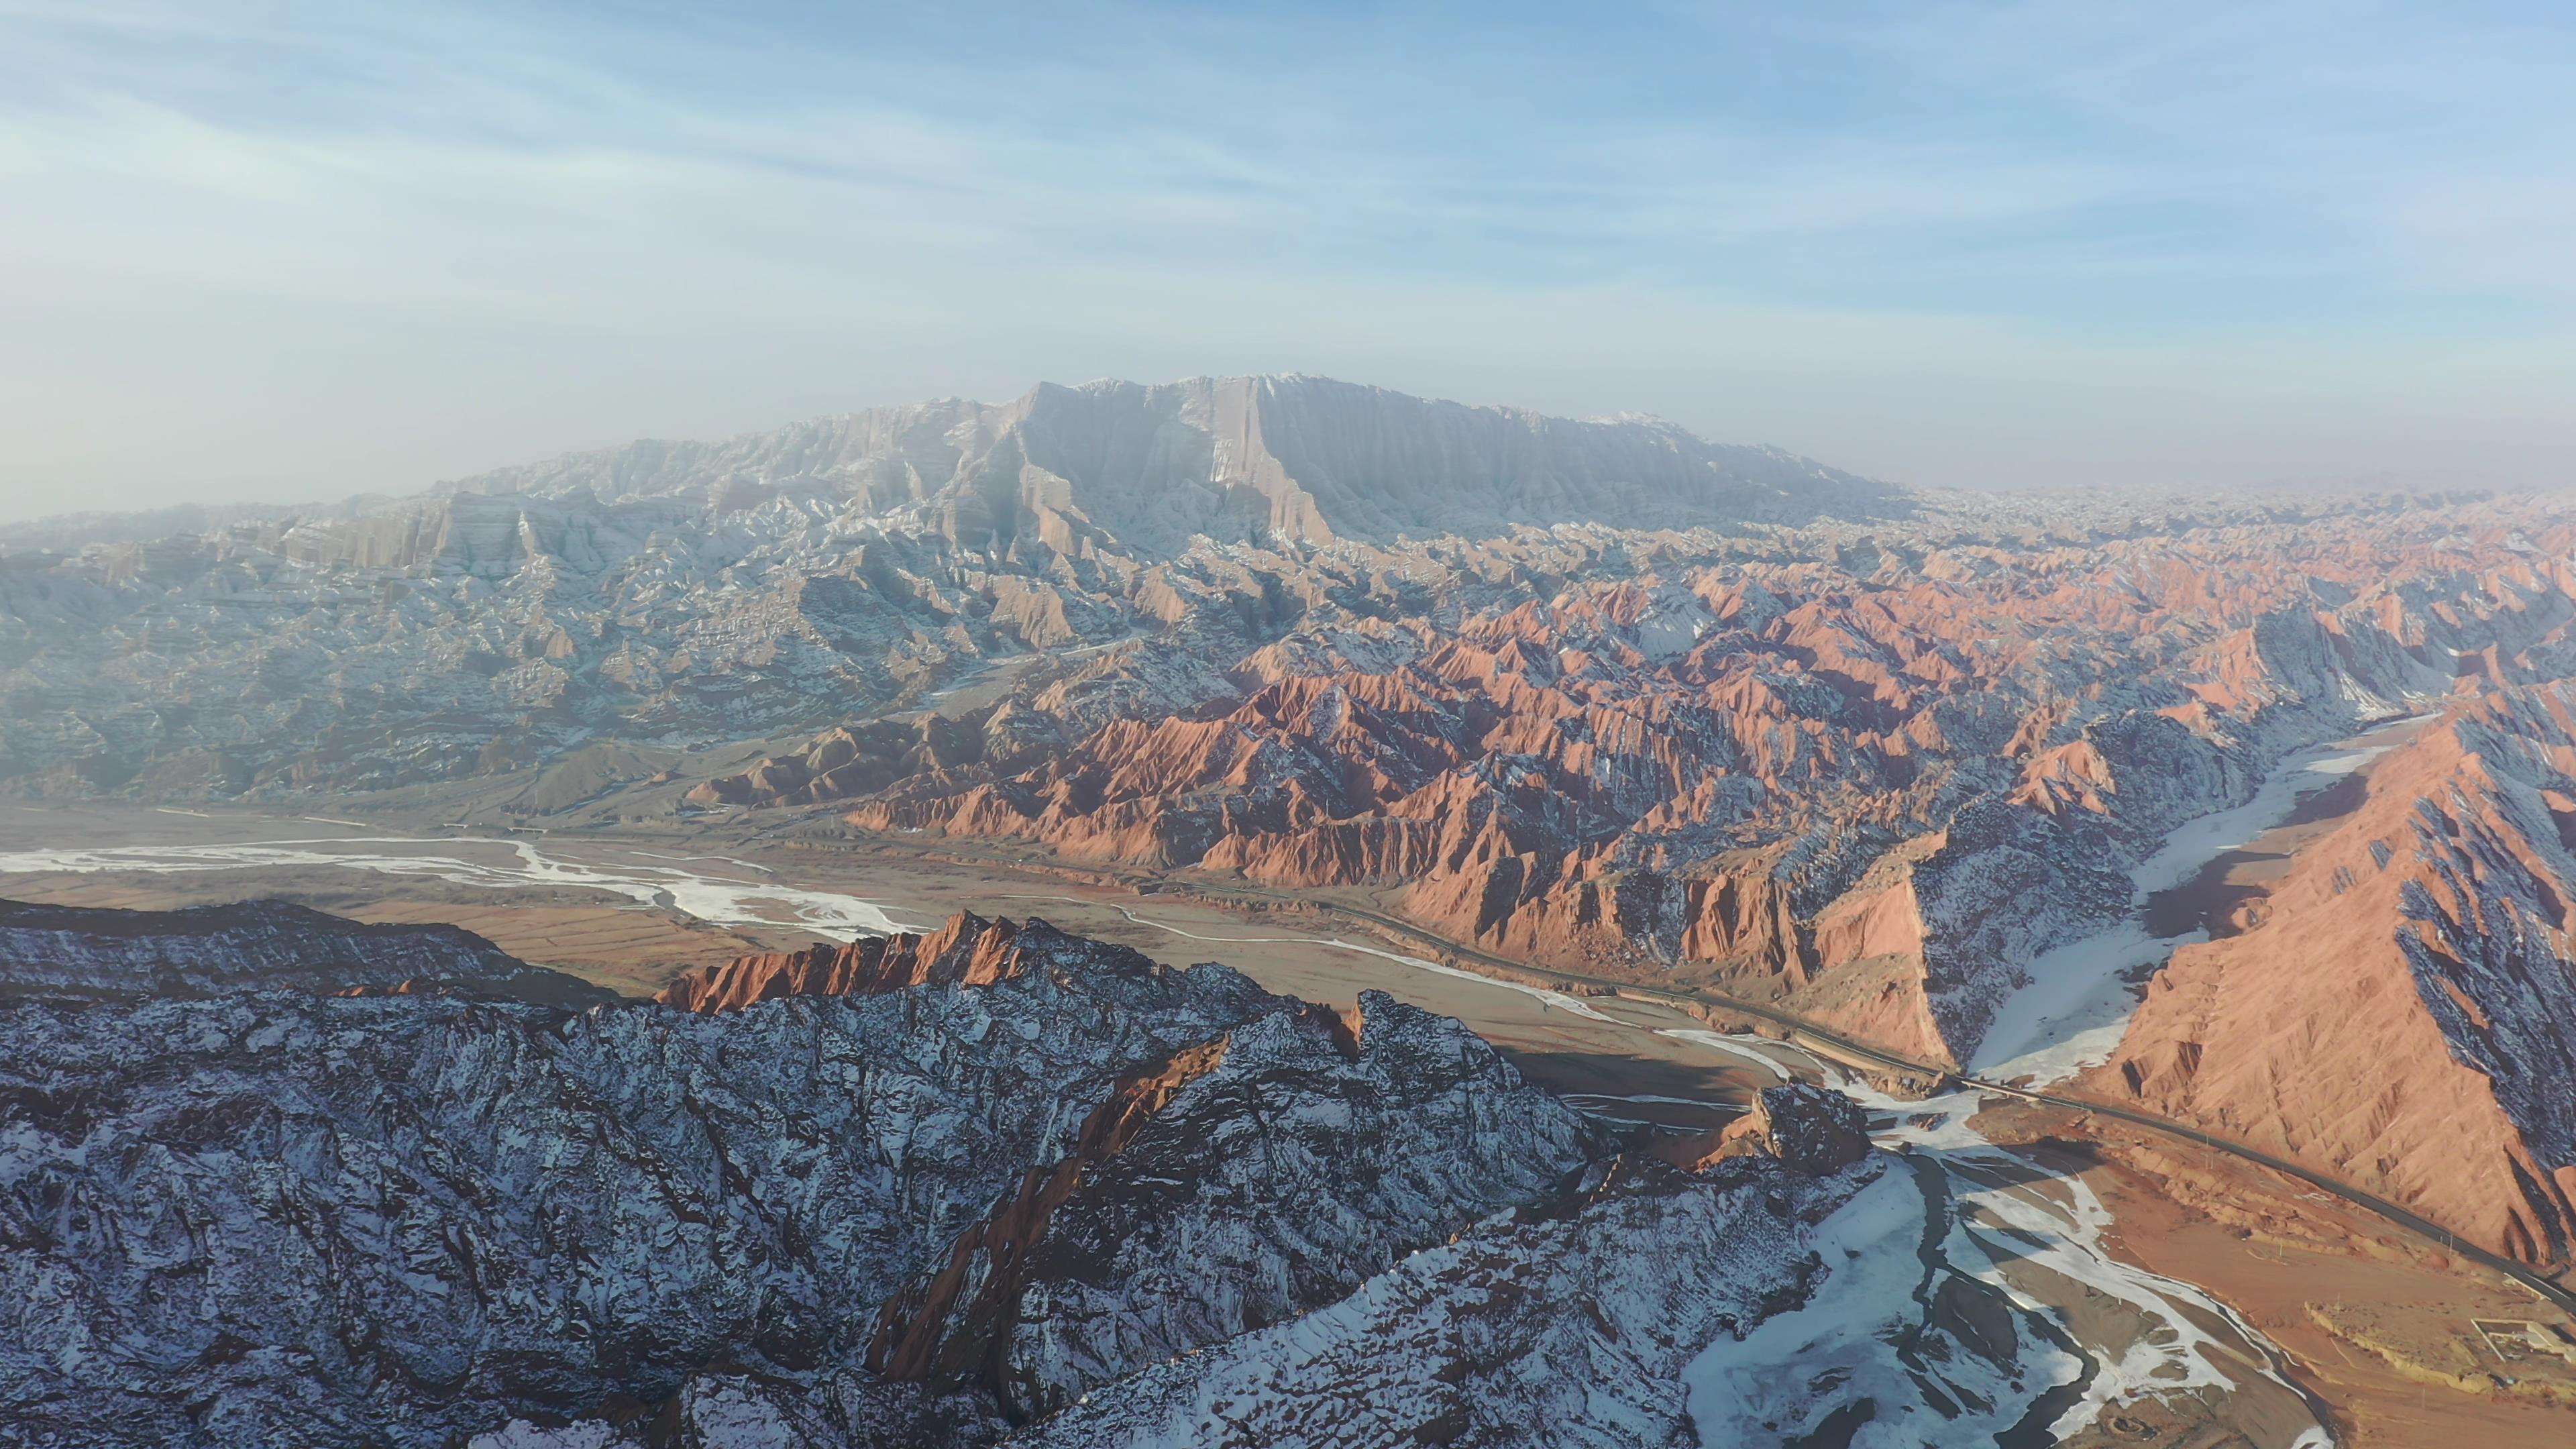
x: 1873, y: 790
x: 967, y: 951
x: 2401, y: 1010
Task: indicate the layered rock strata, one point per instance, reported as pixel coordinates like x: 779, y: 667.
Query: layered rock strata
x: 1873, y: 796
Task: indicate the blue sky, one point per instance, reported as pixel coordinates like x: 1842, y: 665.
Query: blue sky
x: 284, y: 250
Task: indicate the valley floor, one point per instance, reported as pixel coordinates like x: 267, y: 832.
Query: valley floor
x: 2378, y: 1326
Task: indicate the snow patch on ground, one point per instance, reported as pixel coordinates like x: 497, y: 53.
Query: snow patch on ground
x: 1668, y: 629
x: 1853, y: 1352
x: 1734, y: 1046
x: 2080, y: 997
x: 2009, y: 1229
x: 718, y: 900
x: 1556, y: 1000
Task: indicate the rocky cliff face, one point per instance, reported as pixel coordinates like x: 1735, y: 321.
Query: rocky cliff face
x: 255, y: 946
x: 276, y: 1218
x: 2401, y: 1011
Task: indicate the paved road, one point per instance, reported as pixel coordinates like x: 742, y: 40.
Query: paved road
x: 2546, y: 1288
x: 1816, y: 1036
x: 1812, y: 1034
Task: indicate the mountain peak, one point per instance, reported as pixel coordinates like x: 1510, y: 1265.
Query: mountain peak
x: 1271, y: 459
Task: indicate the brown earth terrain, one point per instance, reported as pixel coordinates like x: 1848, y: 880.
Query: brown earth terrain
x: 2381, y: 1323
x: 2224, y: 897
x: 2399, y: 1010
x: 631, y: 949
x: 1869, y: 777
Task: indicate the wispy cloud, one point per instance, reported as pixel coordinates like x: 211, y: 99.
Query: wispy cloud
x: 358, y: 246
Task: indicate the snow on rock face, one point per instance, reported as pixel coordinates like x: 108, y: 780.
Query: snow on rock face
x: 987, y: 1183
x: 1564, y: 1327
x: 1810, y: 1128
x: 1277, y: 1177
x: 252, y: 945
x: 408, y: 1220
x: 666, y: 594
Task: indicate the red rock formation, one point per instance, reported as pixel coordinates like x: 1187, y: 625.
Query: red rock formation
x: 853, y: 760
x: 2401, y: 1013
x: 1740, y: 763
x: 1812, y: 1129
x: 968, y: 951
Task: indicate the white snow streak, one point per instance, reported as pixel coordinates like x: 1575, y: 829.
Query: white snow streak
x: 2077, y: 1005
x: 1545, y: 997
x: 715, y: 899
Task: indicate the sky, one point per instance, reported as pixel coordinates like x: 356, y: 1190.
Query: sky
x: 284, y: 251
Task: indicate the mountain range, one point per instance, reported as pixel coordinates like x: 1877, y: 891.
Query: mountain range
x: 672, y: 593
x: 1596, y: 696
x: 986, y: 1182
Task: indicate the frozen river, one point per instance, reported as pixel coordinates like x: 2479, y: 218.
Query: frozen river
x: 1966, y: 1223
x: 717, y: 889
x: 2080, y: 996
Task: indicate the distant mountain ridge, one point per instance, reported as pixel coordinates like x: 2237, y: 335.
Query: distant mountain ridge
x: 1266, y: 459
x: 1278, y: 459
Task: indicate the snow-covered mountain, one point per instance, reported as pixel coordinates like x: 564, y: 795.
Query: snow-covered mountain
x: 929, y: 1213
x: 677, y: 592
x: 255, y: 946
x: 1276, y: 460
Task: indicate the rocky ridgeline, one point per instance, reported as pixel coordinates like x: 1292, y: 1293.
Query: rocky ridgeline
x: 2400, y: 1009
x: 1867, y: 778
x: 933, y: 1192
x: 676, y: 593
x: 968, y: 951
x: 1592, y: 694
x: 256, y: 946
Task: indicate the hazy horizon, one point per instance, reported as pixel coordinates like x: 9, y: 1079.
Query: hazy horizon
x: 293, y: 255
x: 215, y: 499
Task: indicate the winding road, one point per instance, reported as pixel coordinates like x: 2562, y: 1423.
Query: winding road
x: 1815, y: 1036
